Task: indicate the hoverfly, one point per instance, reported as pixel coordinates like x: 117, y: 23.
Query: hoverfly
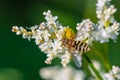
x: 77, y: 48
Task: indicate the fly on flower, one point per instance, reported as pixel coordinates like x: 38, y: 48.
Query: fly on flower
x: 77, y: 48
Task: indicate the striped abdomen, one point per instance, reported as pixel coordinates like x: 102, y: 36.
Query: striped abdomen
x: 75, y: 45
x: 81, y: 46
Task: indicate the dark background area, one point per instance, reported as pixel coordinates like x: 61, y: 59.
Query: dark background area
x: 22, y: 59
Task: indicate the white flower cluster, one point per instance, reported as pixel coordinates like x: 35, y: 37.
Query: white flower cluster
x: 113, y: 74
x: 65, y: 73
x: 86, y: 31
x: 48, y: 36
x: 106, y: 28
x: 105, y: 11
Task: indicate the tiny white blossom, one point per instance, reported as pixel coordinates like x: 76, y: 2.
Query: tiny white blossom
x: 114, y: 30
x: 113, y: 74
x: 65, y: 59
x: 45, y: 46
x: 57, y: 45
x: 101, y: 3
x: 59, y: 33
x: 102, y: 36
x: 27, y: 35
x: 50, y: 19
x: 50, y: 57
x: 46, y: 35
x: 16, y: 29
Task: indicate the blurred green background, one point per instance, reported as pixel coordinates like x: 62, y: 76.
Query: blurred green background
x: 21, y: 59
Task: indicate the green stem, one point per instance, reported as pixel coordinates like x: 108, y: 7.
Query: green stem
x: 105, y: 48
x: 106, y: 56
x: 106, y: 61
x: 92, y: 67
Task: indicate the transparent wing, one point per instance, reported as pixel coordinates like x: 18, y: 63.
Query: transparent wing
x: 77, y: 59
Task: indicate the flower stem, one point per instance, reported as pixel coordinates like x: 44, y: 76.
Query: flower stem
x: 105, y: 59
x: 99, y: 77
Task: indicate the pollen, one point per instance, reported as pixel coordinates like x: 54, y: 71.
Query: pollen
x: 69, y: 33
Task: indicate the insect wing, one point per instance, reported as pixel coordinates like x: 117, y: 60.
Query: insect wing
x: 77, y: 60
